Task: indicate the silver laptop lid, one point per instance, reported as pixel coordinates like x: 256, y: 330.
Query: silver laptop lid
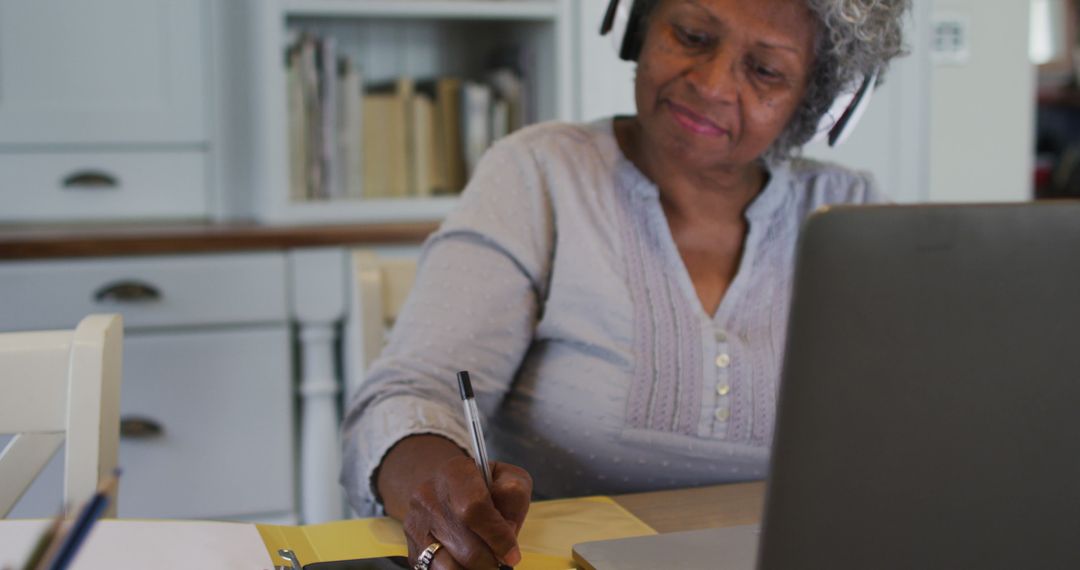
x: 931, y: 397
x: 730, y: 548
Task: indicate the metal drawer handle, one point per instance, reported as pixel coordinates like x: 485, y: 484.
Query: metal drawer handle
x: 128, y: 291
x: 90, y: 180
x: 138, y: 427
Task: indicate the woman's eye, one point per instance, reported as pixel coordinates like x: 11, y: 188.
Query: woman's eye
x: 765, y: 72
x: 691, y: 38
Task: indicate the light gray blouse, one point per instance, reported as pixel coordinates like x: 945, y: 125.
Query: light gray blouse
x: 557, y: 284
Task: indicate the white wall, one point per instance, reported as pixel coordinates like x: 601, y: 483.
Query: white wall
x: 982, y: 111
x: 607, y: 82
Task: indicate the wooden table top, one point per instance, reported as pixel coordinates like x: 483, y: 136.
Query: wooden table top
x: 702, y: 507
x: 38, y: 241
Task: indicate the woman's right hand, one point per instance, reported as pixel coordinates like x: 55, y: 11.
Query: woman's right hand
x: 476, y: 527
x: 452, y: 505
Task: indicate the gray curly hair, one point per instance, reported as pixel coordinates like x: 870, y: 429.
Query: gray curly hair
x: 855, y: 38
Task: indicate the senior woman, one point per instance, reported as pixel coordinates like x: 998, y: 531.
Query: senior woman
x: 618, y: 290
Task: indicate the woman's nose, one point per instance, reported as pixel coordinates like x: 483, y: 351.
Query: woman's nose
x: 715, y: 78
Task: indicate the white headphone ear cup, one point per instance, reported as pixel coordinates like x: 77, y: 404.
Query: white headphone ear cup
x: 836, y: 110
x: 840, y: 106
x: 856, y: 114
x: 619, y: 26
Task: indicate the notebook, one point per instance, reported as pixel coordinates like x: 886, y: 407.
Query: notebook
x: 545, y: 539
x: 927, y: 415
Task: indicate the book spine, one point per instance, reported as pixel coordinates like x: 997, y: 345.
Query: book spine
x: 297, y: 128
x: 309, y: 78
x: 331, y: 184
x: 349, y: 128
x: 476, y: 122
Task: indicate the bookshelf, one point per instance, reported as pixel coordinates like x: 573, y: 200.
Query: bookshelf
x: 385, y: 40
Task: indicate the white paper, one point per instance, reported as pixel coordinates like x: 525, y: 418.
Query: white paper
x: 139, y: 545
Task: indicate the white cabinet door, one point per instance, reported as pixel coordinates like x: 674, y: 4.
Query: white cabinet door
x: 222, y: 400
x: 107, y: 71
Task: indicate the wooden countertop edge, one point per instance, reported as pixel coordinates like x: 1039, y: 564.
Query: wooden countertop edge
x: 40, y: 242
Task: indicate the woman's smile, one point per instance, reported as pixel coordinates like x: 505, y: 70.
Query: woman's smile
x: 694, y: 122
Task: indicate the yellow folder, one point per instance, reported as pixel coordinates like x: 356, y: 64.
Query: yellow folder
x: 550, y: 530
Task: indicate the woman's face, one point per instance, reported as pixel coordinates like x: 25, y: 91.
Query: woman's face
x: 718, y: 80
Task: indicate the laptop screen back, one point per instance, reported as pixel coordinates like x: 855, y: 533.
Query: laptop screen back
x: 931, y: 396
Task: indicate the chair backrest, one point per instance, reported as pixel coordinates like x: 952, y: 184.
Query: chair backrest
x: 381, y: 285
x: 57, y: 386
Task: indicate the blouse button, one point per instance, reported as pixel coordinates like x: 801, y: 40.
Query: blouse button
x: 723, y: 361
x: 721, y: 336
x: 722, y: 414
x: 723, y: 389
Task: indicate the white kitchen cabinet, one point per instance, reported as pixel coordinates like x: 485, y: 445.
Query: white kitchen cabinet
x: 107, y: 71
x: 208, y: 427
x: 176, y: 109
x: 103, y: 110
x: 223, y: 402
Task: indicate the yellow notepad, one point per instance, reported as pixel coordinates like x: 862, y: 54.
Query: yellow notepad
x: 550, y: 530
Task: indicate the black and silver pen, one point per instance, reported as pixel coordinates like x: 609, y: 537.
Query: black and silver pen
x: 472, y: 417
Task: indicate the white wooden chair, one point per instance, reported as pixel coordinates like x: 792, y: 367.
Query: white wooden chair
x: 57, y: 386
x: 381, y: 285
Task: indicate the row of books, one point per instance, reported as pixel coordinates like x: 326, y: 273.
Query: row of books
x: 402, y: 138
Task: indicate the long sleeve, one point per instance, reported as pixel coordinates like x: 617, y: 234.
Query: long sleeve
x: 474, y: 305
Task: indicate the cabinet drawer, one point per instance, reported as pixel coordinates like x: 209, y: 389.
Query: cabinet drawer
x: 158, y: 291
x: 222, y: 402
x: 40, y: 186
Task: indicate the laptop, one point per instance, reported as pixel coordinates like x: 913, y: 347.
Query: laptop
x: 929, y: 415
